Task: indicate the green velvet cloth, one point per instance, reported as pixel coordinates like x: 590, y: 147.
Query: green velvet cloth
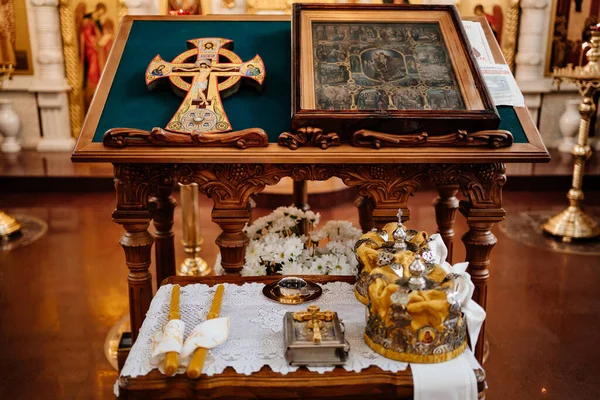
x: 131, y: 105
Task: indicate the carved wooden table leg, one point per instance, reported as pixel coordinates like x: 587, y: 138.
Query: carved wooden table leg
x: 388, y: 186
x: 230, y: 186
x: 301, y: 195
x: 137, y: 244
x: 232, y: 241
x: 482, y: 184
x: 133, y: 184
x: 445, y: 214
x: 164, y: 236
x: 364, y: 213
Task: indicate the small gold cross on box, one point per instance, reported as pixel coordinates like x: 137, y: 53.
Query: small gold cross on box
x: 315, y: 318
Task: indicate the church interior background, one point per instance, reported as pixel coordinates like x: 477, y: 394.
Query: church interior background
x: 64, y: 293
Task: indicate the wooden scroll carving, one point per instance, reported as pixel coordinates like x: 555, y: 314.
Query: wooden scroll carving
x: 309, y: 137
x: 123, y: 137
x: 492, y: 139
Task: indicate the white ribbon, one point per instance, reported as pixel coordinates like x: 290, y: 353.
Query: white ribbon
x: 474, y: 314
x: 170, y: 338
x: 438, y: 248
x: 207, y: 334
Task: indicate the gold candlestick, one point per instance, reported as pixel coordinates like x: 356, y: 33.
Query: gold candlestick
x: 8, y: 224
x: 192, y: 241
x: 573, y: 223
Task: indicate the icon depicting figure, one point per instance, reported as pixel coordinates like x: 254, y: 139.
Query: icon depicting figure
x: 209, y: 76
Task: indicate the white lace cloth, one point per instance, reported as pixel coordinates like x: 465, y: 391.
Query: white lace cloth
x: 256, y: 329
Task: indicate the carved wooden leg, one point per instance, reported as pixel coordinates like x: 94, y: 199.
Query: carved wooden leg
x: 230, y: 186
x: 232, y: 241
x: 301, y: 202
x: 133, y: 184
x: 445, y: 214
x: 482, y: 184
x: 364, y: 213
x: 137, y: 244
x: 164, y: 236
x: 301, y: 195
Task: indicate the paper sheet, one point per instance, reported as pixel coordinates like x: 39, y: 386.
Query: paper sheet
x: 481, y: 48
x: 498, y: 78
x: 502, y: 85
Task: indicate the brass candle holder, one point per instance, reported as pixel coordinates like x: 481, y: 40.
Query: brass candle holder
x: 573, y: 223
x: 8, y: 224
x: 192, y: 241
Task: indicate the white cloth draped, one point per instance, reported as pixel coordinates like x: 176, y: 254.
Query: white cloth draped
x: 256, y: 330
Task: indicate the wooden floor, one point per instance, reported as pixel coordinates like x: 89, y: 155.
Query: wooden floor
x: 60, y: 296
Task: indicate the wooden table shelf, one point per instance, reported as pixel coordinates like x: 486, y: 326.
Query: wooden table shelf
x: 266, y: 384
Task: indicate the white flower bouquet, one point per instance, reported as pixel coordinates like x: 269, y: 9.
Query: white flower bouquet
x: 279, y: 246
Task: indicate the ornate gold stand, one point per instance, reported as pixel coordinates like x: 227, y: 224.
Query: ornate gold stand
x: 8, y: 224
x: 573, y: 223
x: 193, y: 265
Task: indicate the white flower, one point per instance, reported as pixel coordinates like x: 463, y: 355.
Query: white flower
x: 254, y: 252
x: 293, y: 212
x: 274, y: 240
x: 277, y: 226
x: 317, y: 236
x: 341, y: 230
x: 312, y: 217
x: 218, y: 268
x: 336, y: 247
x: 292, y: 247
x: 292, y: 268
x: 340, y: 266
x: 253, y: 270
x: 318, y: 266
x: 289, y: 222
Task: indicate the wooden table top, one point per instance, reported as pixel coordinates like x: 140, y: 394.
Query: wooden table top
x: 93, y: 151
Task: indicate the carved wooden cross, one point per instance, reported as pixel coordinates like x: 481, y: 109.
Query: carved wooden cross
x: 315, y: 318
x: 202, y: 109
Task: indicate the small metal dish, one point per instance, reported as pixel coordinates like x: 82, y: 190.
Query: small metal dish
x: 288, y: 294
x: 292, y: 287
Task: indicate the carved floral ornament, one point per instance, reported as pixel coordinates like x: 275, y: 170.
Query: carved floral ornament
x: 231, y: 185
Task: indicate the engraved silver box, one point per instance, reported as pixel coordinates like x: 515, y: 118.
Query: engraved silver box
x: 302, y: 350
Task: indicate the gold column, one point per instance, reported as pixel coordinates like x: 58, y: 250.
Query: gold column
x: 193, y: 265
x: 573, y: 223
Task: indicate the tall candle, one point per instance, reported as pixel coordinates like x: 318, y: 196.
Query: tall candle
x: 190, y: 210
x: 172, y: 358
x: 194, y: 369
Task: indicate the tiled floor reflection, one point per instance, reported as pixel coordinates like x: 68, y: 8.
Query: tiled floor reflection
x: 60, y: 296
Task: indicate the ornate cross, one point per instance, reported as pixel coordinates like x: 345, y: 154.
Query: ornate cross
x: 315, y: 318
x: 202, y: 109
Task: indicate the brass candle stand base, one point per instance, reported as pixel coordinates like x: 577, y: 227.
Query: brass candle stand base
x: 8, y: 225
x: 572, y: 223
x: 194, y: 265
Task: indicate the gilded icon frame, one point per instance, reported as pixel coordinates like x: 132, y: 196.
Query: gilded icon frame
x: 479, y: 112
x: 72, y: 56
